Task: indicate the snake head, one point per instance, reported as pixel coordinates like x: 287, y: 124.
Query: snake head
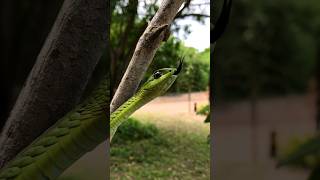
x: 161, y: 80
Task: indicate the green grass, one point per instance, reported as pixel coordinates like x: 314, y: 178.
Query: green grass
x: 160, y: 150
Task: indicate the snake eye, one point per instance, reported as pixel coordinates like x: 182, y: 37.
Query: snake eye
x: 157, y: 74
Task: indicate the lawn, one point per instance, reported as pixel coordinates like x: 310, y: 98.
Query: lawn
x: 154, y: 146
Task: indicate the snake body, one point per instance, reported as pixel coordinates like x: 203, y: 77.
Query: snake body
x: 81, y: 130
x: 78, y: 132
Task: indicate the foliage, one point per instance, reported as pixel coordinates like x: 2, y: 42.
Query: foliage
x: 133, y: 130
x: 303, y: 153
x: 267, y: 48
x: 203, y: 110
x: 196, y: 66
x: 195, y: 76
x: 297, y: 153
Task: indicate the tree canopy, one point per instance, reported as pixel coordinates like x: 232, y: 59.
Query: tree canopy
x: 269, y: 46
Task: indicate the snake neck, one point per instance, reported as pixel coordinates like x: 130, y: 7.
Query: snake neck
x: 126, y: 109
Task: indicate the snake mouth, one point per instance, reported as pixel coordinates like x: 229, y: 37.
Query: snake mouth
x: 179, y: 67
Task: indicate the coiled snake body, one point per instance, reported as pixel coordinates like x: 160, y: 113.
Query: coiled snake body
x: 81, y: 130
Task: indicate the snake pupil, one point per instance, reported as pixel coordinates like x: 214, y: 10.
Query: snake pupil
x: 157, y: 75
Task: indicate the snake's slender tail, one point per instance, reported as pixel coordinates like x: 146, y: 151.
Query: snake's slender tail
x: 76, y: 133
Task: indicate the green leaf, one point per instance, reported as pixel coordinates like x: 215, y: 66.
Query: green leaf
x: 310, y: 147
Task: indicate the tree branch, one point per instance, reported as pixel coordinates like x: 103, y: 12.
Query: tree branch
x: 200, y: 4
x: 60, y: 74
x: 194, y: 15
x: 145, y: 51
x: 186, y: 5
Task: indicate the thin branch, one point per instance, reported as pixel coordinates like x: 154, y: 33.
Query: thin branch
x: 194, y: 15
x: 199, y: 4
x: 186, y: 5
x: 145, y: 50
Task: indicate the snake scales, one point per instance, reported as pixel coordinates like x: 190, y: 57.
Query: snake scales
x: 81, y: 130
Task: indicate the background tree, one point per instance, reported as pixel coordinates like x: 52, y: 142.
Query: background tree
x: 264, y: 51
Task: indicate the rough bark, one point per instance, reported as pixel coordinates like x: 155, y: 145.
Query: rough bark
x: 24, y: 25
x: 145, y: 50
x: 60, y: 74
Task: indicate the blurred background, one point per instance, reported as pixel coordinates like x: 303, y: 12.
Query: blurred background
x: 267, y: 88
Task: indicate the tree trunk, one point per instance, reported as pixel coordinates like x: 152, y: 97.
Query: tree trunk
x: 24, y: 26
x: 60, y: 74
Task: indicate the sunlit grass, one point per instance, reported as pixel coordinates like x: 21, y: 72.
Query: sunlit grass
x: 178, y: 123
x: 173, y: 148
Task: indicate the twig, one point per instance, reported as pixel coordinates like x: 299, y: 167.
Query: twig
x: 194, y: 15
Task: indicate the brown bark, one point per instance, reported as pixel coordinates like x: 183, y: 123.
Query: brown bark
x: 145, y: 50
x: 60, y: 74
x: 23, y: 29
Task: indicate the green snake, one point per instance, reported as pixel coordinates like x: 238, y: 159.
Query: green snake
x: 81, y: 130
x: 156, y: 85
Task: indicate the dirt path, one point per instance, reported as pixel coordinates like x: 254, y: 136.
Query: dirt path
x: 177, y: 105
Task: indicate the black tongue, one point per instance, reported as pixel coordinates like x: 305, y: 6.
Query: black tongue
x: 179, y: 67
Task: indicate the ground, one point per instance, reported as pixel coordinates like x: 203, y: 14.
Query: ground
x: 241, y: 148
x: 180, y: 150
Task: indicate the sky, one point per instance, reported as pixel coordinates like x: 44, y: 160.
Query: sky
x: 199, y: 37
